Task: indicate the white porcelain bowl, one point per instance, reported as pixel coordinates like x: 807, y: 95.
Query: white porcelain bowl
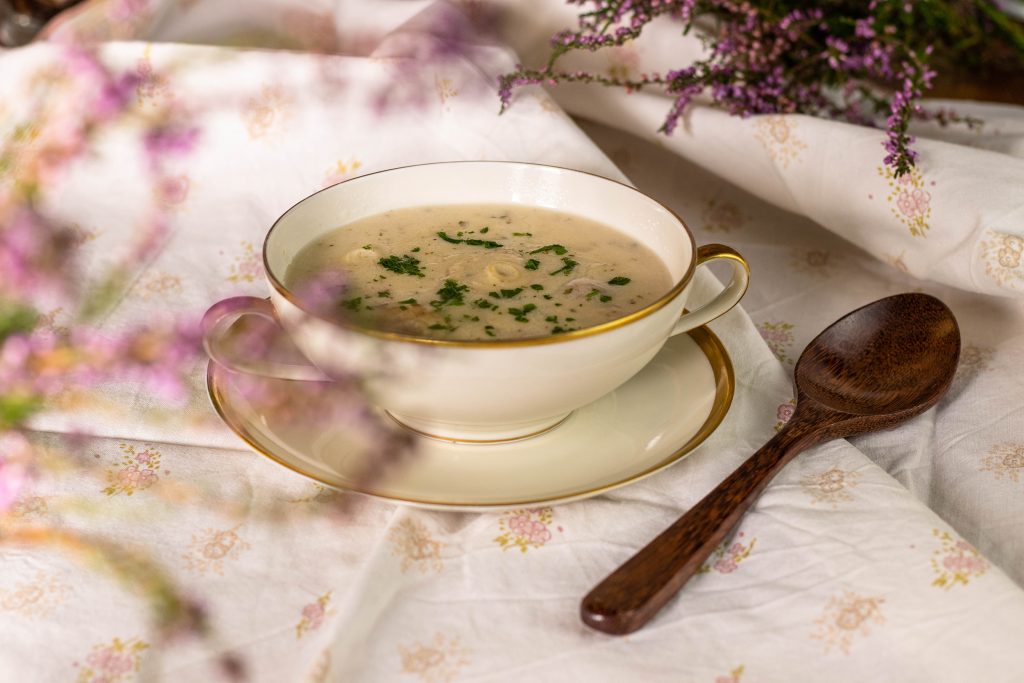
x: 479, y: 391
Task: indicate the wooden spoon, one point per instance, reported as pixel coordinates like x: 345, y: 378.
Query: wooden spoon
x: 873, y: 369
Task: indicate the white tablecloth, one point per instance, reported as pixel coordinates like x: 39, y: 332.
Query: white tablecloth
x: 894, y: 558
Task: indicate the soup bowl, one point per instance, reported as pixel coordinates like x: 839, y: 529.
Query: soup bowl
x: 491, y: 390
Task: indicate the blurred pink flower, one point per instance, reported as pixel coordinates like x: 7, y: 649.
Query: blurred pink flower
x: 785, y: 412
x: 160, y: 143
x: 171, y: 190
x: 15, y: 454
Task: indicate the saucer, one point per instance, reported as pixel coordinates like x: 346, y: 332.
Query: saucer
x: 650, y: 422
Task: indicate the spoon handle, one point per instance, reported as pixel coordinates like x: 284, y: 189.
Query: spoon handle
x: 633, y: 593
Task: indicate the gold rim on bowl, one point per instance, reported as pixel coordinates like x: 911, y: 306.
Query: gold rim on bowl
x: 676, y: 289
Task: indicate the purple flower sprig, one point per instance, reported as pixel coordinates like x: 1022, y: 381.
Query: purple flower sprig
x: 844, y: 59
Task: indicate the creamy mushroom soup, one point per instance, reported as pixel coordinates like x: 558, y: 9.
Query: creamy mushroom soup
x: 481, y: 272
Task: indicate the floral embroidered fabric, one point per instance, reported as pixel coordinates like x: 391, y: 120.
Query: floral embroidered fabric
x: 858, y: 561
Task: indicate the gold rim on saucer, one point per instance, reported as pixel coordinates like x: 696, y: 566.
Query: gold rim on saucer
x: 707, y: 341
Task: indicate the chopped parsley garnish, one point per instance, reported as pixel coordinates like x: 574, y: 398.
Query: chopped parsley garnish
x: 532, y: 264
x: 567, y: 266
x: 450, y: 294
x: 520, y: 313
x: 486, y: 244
x: 522, y: 234
x: 537, y: 287
x: 551, y: 319
x: 494, y: 295
x: 384, y: 294
x: 558, y: 249
x: 415, y: 250
x: 548, y: 297
x: 408, y: 301
x: 509, y: 293
x: 353, y: 304
x: 403, y: 265
x: 489, y: 330
x: 603, y: 298
x: 557, y: 330
x: 484, y: 303
x: 365, y: 246
x: 484, y: 230
x: 446, y: 326
x: 619, y: 281
x: 570, y: 320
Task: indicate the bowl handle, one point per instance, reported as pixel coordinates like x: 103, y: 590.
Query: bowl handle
x: 727, y: 298
x: 219, y: 319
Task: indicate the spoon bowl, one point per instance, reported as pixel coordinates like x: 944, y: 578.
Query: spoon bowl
x: 896, y: 356
x: 876, y: 367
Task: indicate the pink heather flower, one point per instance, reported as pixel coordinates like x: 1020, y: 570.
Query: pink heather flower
x: 758, y: 62
x: 735, y: 548
x: 785, y: 411
x: 725, y: 565
x: 33, y: 256
x: 113, y: 96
